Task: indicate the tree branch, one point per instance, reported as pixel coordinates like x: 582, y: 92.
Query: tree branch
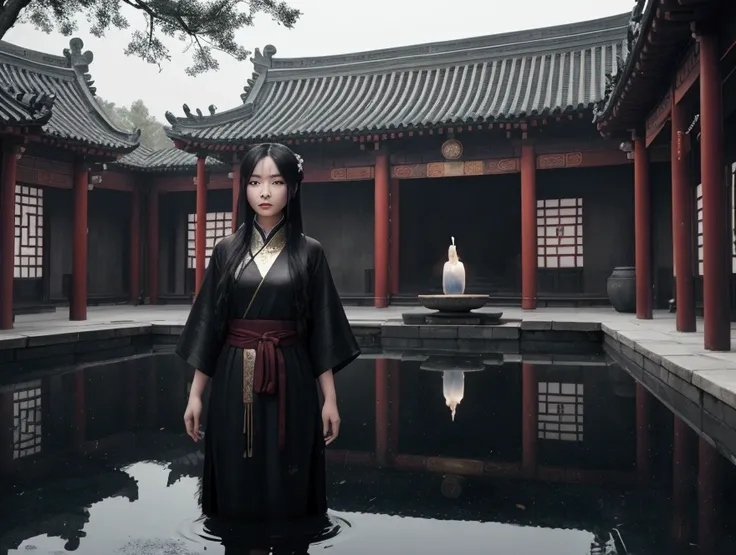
x: 9, y: 13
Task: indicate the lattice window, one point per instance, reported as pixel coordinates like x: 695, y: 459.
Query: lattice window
x: 560, y: 414
x: 560, y: 233
x: 28, y: 262
x: 699, y: 214
x: 218, y: 224
x: 27, y: 419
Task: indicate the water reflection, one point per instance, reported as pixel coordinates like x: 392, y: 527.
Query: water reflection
x: 542, y: 456
x: 453, y: 376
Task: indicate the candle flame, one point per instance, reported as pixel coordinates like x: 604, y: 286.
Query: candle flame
x: 453, y: 240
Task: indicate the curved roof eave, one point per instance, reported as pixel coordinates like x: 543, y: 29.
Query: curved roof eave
x: 77, y: 118
x: 656, y: 42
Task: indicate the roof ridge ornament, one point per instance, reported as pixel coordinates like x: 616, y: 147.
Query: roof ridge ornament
x: 37, y: 104
x: 633, y: 34
x: 188, y: 113
x: 77, y: 60
x: 261, y: 64
x: 634, y: 28
x: 80, y: 61
x: 264, y: 61
x: 246, y: 90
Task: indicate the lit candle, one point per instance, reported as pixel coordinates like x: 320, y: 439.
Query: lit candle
x: 453, y: 273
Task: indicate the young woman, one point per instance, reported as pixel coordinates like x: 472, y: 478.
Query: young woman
x: 266, y: 327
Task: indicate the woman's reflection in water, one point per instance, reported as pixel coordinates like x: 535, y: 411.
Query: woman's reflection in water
x: 269, y: 538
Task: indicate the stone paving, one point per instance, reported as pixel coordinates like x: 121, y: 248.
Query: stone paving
x: 650, y: 349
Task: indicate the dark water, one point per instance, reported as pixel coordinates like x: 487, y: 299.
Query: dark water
x: 538, y: 459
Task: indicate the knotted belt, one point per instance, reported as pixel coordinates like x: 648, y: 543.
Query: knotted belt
x: 264, y: 370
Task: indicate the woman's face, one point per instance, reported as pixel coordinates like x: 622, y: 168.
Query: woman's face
x: 266, y: 190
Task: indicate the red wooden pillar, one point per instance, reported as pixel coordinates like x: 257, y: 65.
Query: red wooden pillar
x: 382, y: 412
x: 716, y: 233
x: 80, y: 409
x: 681, y: 482
x: 395, y: 398
x: 152, y: 391
x: 708, y: 495
x: 394, y: 255
x: 131, y: 406
x: 78, y: 308
x: 528, y: 227
x: 135, y: 245
x: 200, y: 236
x: 529, y: 405
x: 236, y: 193
x: 642, y: 230
x: 381, y: 229
x: 643, y: 469
x: 682, y: 232
x: 152, y: 264
x: 7, y: 235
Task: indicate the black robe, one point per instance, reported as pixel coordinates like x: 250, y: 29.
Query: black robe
x: 273, y: 484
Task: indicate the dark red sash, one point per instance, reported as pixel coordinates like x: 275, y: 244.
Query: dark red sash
x: 266, y: 337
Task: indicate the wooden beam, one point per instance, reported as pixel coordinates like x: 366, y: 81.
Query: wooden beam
x: 183, y: 183
x: 581, y: 159
x: 658, y: 117
x: 687, y: 73
x: 116, y: 181
x: 41, y: 172
x: 322, y: 175
x: 456, y: 168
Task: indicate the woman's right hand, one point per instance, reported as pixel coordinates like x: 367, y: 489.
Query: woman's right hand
x: 191, y: 417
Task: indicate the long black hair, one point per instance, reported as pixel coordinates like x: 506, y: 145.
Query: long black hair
x: 290, y: 168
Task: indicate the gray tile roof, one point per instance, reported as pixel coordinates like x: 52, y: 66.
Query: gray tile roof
x: 75, y: 116
x: 166, y: 160
x: 496, y: 78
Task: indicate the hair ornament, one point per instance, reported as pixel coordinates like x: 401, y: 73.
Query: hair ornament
x: 300, y: 162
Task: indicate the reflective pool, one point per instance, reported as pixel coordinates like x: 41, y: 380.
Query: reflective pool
x: 437, y: 455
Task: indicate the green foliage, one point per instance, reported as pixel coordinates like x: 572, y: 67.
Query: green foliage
x: 137, y: 117
x: 207, y: 26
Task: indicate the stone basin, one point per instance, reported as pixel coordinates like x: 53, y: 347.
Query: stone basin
x: 453, y: 303
x: 452, y: 364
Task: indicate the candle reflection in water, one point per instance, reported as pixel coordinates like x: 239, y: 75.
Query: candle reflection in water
x: 453, y: 388
x: 453, y: 376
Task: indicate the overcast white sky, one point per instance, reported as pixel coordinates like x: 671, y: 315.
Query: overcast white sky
x: 326, y: 27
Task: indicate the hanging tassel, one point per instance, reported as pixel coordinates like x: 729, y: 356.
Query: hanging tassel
x: 248, y: 430
x: 249, y: 364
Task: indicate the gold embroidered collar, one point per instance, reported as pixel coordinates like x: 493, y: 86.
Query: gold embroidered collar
x: 269, y: 249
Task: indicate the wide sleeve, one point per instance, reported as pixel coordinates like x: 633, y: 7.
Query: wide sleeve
x: 332, y: 344
x: 201, y: 340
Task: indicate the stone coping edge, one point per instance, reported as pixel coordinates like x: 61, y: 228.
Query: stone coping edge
x: 19, y: 340
x: 678, y: 365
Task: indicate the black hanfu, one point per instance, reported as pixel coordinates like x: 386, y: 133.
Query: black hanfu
x: 264, y: 446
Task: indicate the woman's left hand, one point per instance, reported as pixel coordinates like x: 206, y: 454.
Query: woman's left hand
x: 330, y: 421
